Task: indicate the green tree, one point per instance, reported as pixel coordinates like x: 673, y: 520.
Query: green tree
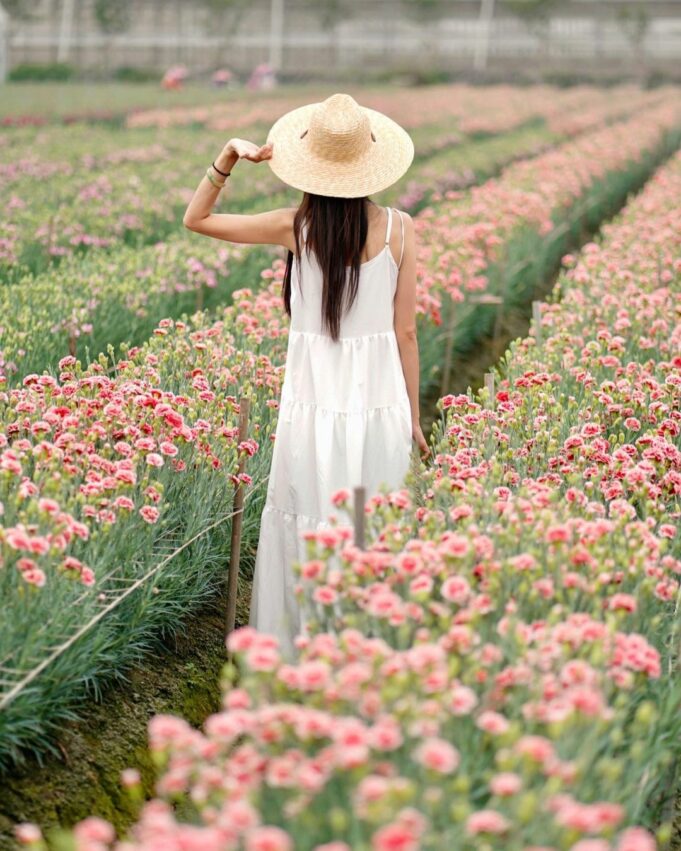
x: 330, y: 13
x: 21, y: 10
x: 537, y: 16
x: 113, y: 16
x: 532, y: 11
x: 227, y: 14
x: 424, y: 10
x: 634, y: 22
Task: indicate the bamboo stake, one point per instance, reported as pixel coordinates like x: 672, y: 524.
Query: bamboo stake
x: 499, y: 313
x: 359, y: 500
x: 536, y: 318
x: 489, y: 384
x: 235, y: 550
x: 449, y: 345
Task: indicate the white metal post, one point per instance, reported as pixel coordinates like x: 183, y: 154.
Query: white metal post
x: 4, y: 44
x: 276, y: 34
x: 484, y: 30
x: 65, y: 27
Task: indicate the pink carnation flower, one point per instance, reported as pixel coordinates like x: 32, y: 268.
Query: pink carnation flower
x: 268, y: 839
x: 149, y: 513
x: 94, y: 829
x: 394, y: 837
x: 505, y: 783
x: 456, y: 589
x: 486, y: 821
x: 27, y: 833
x: 492, y: 722
x: 437, y: 755
x: 636, y: 839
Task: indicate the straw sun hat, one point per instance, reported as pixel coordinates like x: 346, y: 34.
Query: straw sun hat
x: 337, y: 147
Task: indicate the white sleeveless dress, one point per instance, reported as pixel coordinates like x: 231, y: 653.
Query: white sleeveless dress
x: 344, y: 420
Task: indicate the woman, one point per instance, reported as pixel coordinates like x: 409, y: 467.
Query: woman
x: 349, y: 405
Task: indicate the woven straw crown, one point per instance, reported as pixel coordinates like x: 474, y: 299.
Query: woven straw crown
x: 337, y: 147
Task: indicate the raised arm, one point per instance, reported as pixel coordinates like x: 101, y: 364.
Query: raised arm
x: 274, y: 227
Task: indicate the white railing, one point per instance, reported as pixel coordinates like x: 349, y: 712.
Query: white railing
x: 294, y: 38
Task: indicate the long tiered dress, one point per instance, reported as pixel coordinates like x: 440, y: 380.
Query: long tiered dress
x: 344, y: 420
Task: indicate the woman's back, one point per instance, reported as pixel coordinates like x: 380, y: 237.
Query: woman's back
x: 362, y: 369
x: 372, y: 310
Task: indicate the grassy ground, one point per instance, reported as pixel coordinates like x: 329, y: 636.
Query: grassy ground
x: 54, y: 101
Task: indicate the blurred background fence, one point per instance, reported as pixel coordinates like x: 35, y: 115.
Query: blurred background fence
x: 324, y: 38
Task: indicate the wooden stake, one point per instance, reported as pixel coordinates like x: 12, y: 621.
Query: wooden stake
x: 536, y: 318
x: 237, y: 519
x: 449, y: 345
x: 489, y: 384
x: 359, y: 500
x: 499, y: 315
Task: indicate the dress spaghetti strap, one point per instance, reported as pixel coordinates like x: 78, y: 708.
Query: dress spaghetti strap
x: 402, y: 249
x: 387, y: 230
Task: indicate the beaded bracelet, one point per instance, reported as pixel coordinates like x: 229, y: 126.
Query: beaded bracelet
x: 212, y: 179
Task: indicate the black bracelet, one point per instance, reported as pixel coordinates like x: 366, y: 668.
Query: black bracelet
x: 223, y: 173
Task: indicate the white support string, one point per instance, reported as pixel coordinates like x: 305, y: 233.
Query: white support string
x: 32, y: 674
x: 48, y: 623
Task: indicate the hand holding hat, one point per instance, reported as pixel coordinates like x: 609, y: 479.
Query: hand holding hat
x: 243, y: 149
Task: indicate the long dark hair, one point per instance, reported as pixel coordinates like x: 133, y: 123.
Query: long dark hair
x: 336, y: 231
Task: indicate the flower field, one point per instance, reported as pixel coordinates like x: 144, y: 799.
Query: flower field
x: 116, y: 295
x: 82, y: 277
x: 497, y: 669
x: 112, y: 172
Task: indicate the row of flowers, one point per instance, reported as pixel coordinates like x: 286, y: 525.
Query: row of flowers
x: 103, y: 472
x: 105, y: 299
x: 496, y: 109
x: 101, y: 169
x: 87, y: 303
x: 103, y: 192
x: 498, y: 668
x: 578, y: 112
x: 112, y: 175
x: 462, y: 239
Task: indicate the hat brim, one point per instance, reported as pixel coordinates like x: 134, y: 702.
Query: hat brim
x: 384, y: 162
